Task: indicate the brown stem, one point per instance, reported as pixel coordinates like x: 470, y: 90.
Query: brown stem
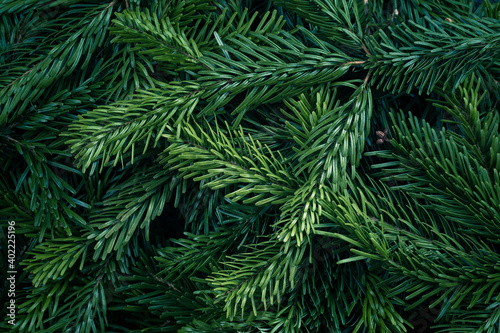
x: 360, y: 62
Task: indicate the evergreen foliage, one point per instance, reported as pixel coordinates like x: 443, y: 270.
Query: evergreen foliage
x: 241, y: 166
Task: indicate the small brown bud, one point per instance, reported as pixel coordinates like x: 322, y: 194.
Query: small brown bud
x: 382, y: 136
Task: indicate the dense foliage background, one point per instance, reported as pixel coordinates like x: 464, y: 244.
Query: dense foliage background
x: 241, y: 166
